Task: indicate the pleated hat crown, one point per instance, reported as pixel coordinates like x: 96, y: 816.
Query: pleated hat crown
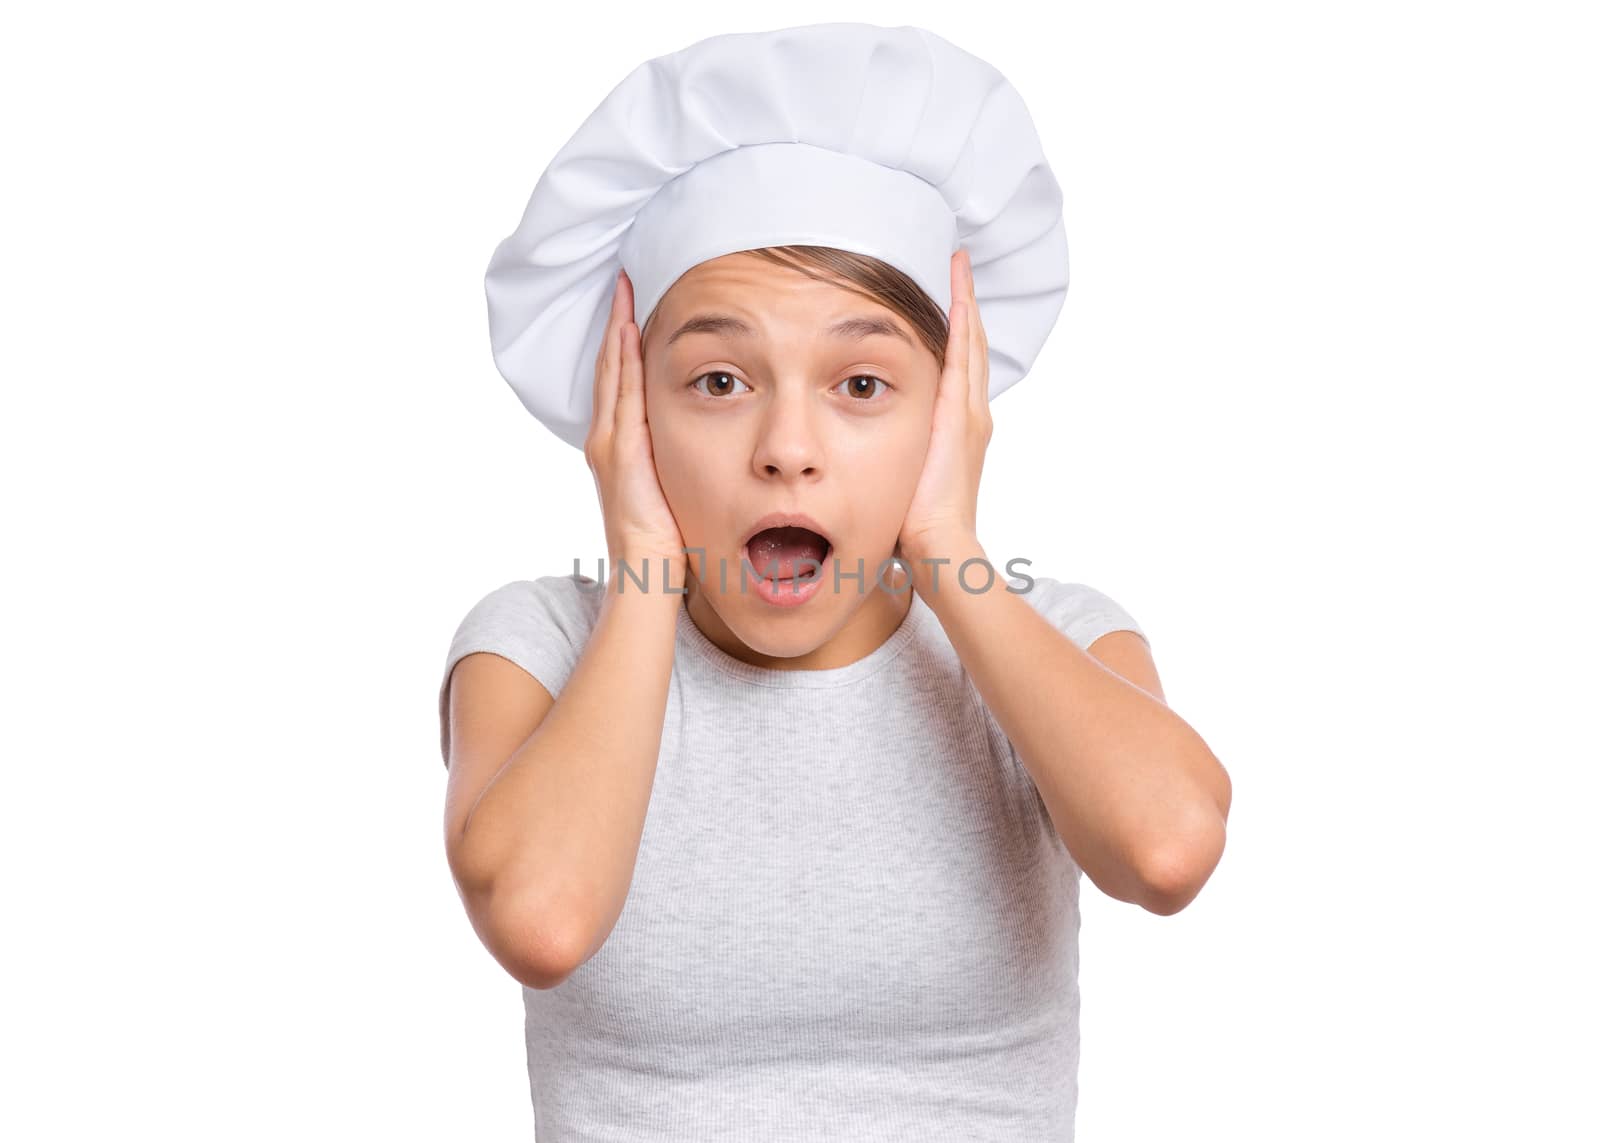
x: 888, y: 142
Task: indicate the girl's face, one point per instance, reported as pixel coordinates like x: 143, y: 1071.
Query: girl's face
x: 767, y: 409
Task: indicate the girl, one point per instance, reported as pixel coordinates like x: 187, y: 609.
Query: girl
x: 781, y: 825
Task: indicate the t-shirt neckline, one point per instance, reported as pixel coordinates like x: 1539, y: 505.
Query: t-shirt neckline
x: 879, y: 657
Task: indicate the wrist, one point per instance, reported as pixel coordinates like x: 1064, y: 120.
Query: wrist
x: 945, y: 550
x: 936, y: 566
x: 647, y: 570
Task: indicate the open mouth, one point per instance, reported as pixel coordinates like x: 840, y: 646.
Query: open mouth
x: 781, y: 552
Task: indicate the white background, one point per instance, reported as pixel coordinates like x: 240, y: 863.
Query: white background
x: 1318, y: 411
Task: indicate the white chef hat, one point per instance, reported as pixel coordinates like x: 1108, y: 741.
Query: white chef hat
x: 889, y: 142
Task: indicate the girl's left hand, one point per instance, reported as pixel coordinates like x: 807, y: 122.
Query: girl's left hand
x: 943, y: 516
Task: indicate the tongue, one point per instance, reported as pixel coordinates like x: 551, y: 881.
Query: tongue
x: 783, y: 547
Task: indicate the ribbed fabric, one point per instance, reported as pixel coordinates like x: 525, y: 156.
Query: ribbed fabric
x: 851, y: 917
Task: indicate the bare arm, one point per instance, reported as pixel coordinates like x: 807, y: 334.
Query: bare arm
x: 547, y: 797
x: 1133, y: 791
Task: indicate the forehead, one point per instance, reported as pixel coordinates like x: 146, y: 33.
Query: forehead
x: 742, y: 275
x: 739, y: 296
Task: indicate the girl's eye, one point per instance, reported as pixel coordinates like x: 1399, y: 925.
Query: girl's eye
x: 720, y: 384
x: 856, y: 391
x: 721, y: 392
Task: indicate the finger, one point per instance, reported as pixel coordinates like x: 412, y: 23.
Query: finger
x: 958, y: 351
x: 605, y: 366
x: 630, y: 389
x: 605, y: 380
x: 978, y: 362
x: 953, y: 383
x: 613, y: 319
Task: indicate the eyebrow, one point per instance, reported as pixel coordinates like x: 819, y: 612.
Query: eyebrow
x: 726, y: 325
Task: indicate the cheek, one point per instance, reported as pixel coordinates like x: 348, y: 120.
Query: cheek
x: 886, y: 469
x: 686, y: 479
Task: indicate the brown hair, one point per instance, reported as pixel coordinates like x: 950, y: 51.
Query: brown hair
x: 873, y: 279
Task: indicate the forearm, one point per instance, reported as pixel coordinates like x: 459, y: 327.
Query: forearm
x: 556, y: 832
x: 1132, y: 790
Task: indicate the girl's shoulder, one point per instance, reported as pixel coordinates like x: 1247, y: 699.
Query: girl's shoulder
x: 554, y: 604
x: 1081, y: 612
x: 541, y: 624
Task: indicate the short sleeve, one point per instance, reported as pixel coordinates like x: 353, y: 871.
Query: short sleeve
x: 1080, y: 612
x: 541, y: 625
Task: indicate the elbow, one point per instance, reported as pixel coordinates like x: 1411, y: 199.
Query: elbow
x: 1173, y: 875
x: 542, y: 957
x: 1164, y: 900
x: 531, y: 943
x: 542, y: 972
x: 525, y: 938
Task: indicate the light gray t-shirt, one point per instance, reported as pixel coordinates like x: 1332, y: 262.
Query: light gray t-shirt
x: 851, y: 917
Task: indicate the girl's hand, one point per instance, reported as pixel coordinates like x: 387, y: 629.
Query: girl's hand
x: 639, y: 524
x: 943, y: 516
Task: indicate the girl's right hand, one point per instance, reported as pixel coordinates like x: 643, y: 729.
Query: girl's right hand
x: 639, y: 524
